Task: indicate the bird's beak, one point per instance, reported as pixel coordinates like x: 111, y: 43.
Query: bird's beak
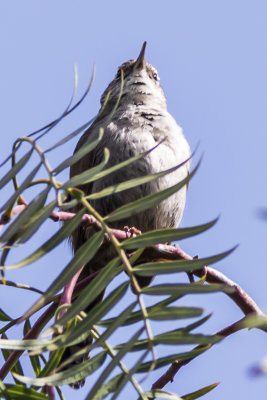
x: 140, y: 61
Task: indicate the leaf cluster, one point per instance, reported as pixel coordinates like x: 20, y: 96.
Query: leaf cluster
x: 47, y: 339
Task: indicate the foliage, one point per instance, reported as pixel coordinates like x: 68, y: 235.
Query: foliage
x: 51, y: 200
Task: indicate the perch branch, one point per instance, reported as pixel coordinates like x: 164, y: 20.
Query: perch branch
x: 238, y: 295
x: 168, y: 376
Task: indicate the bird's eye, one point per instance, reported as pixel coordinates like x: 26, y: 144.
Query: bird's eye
x: 155, y: 76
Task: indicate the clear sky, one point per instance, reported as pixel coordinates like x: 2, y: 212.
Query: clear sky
x: 212, y: 61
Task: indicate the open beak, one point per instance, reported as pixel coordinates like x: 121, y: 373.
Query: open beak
x: 140, y: 61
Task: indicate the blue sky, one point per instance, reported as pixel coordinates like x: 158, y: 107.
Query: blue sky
x: 212, y: 61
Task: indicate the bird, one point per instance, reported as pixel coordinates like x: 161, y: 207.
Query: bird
x: 139, y: 123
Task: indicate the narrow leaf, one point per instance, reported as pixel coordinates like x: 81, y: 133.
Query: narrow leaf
x: 36, y: 221
x: 130, y: 184
x: 160, y: 394
x: 130, y: 376
x: 158, y: 313
x: 8, y: 326
x: 169, y: 267
x: 109, y: 387
x: 20, y: 392
x: 52, y: 363
x: 69, y: 136
x: 173, y: 338
x: 174, y: 289
x: 90, y: 145
x: 19, y: 224
x: 165, y: 236
x: 200, y: 392
x: 4, y: 316
x: 85, y: 177
x: 83, y: 255
x: 17, y: 167
x: 21, y: 188
x: 124, y: 349
x: 63, y: 233
x: 103, y: 337
x: 161, y: 362
x: 121, y: 165
x: 118, y: 322
x: 35, y: 362
x: 6, y: 353
x: 68, y: 376
x: 146, y: 202
x: 99, y: 310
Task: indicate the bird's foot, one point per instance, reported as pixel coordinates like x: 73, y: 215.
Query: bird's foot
x: 130, y: 232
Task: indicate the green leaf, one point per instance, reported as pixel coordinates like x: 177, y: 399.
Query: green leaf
x: 121, y: 165
x: 94, y: 288
x: 34, y: 359
x: 109, y: 387
x: 52, y: 363
x: 8, y: 326
x: 173, y: 338
x: 196, y: 324
x: 161, y: 362
x: 6, y: 353
x: 117, y: 322
x: 4, y: 316
x: 103, y: 337
x: 169, y: 313
x: 129, y: 376
x: 85, y: 177
x: 20, y: 392
x: 90, y: 145
x: 131, y: 183
x: 68, y: 376
x: 21, y: 188
x: 21, y: 223
x: 94, y: 392
x: 17, y: 167
x: 165, y: 236
x: 146, y: 202
x: 169, y: 267
x: 82, y: 256
x: 67, y: 338
x: 69, y: 136
x: 200, y: 393
x: 28, y: 344
x: 81, y: 331
x: 158, y: 313
x: 68, y: 111
x: 36, y: 221
x: 182, y: 289
x: 160, y: 394
x: 253, y: 321
x: 63, y: 233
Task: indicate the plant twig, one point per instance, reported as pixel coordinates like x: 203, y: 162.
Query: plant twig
x: 32, y: 333
x: 168, y: 376
x: 21, y: 286
x: 239, y: 296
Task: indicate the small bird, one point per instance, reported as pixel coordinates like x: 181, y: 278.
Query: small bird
x: 140, y: 122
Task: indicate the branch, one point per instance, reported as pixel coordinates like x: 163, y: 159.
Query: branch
x: 238, y: 295
x: 32, y: 334
x: 40, y: 323
x: 168, y: 376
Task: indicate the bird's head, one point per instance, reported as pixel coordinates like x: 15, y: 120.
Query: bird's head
x: 140, y: 84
